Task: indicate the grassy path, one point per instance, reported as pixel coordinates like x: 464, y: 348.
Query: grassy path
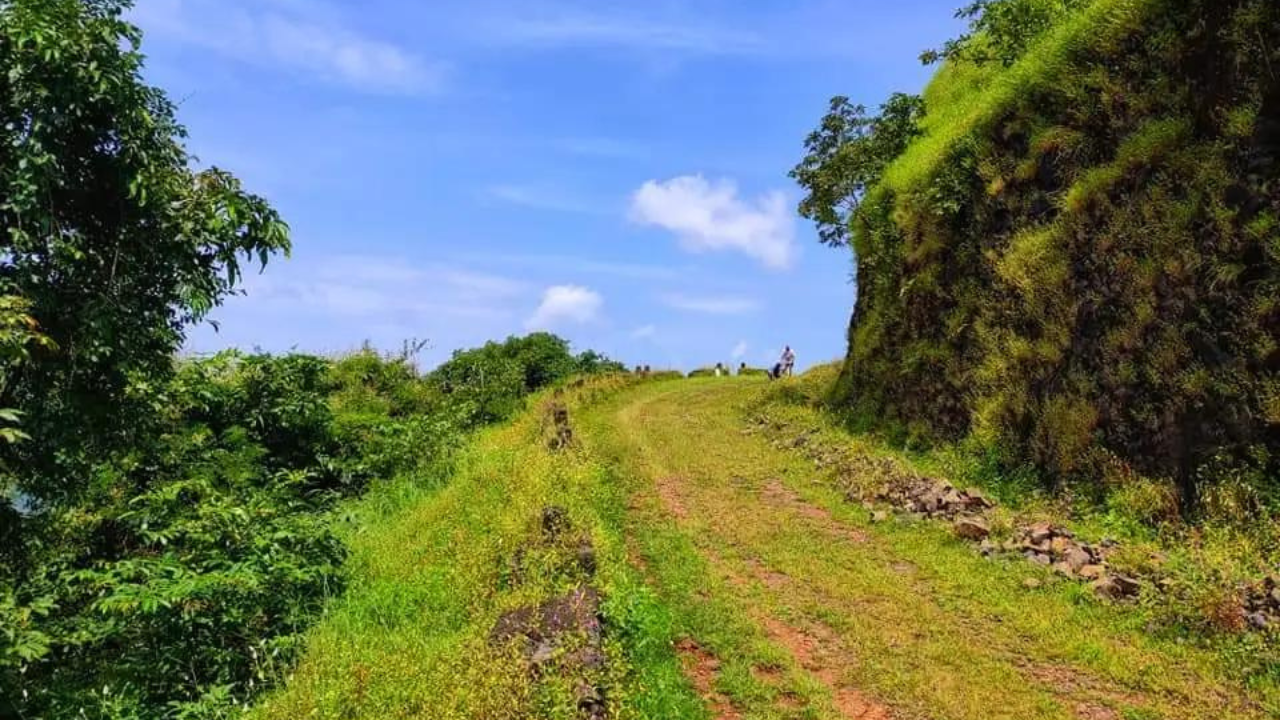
x: 789, y: 605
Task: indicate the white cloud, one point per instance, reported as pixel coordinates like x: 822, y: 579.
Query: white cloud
x: 644, y: 332
x: 739, y: 350
x: 298, y: 37
x: 711, y: 305
x: 709, y: 216
x: 566, y: 304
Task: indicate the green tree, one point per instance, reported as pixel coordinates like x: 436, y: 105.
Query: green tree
x: 109, y: 236
x: 1001, y: 30
x: 846, y: 156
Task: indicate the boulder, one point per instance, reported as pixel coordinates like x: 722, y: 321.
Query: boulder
x: 971, y: 528
x: 1258, y: 621
x: 1039, y: 558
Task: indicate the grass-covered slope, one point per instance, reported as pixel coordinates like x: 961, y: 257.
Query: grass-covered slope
x: 1078, y: 261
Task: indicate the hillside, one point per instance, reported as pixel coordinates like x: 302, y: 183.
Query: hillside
x: 1076, y: 263
x: 699, y: 549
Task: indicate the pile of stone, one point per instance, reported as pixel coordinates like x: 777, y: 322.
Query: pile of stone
x: 932, y: 498
x: 1262, y: 603
x: 1053, y: 546
x: 1040, y: 543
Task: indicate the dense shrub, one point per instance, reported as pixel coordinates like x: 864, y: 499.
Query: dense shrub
x: 490, y: 383
x: 1080, y: 258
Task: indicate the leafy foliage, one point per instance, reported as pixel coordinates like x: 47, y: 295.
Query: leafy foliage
x: 111, y: 240
x: 490, y: 383
x: 847, y: 154
x: 1079, y: 267
x: 1001, y: 31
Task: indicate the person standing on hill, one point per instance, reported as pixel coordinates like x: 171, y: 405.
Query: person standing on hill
x: 788, y: 361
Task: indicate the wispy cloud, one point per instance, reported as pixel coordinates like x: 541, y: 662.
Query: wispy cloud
x: 710, y: 305
x: 382, y: 288
x: 583, y: 266
x: 541, y: 197
x: 739, y: 350
x: 569, y: 28
x: 644, y: 332
x: 566, y: 304
x: 600, y: 147
x: 709, y: 216
x: 295, y: 37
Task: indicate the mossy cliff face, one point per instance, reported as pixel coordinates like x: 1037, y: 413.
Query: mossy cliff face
x: 1079, y: 262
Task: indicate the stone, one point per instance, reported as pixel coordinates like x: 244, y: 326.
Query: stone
x: 1128, y: 586
x: 1275, y: 597
x: 1039, y: 558
x: 1040, y: 532
x: 555, y: 520
x: 971, y: 529
x: 1059, y: 546
x: 1031, y: 583
x: 1115, y: 587
x: 987, y: 547
x: 1105, y: 587
x: 1063, y: 569
x: 975, y: 499
x: 1091, y: 572
x: 879, y: 516
x: 1258, y: 621
x: 586, y: 556
x: 1077, y: 558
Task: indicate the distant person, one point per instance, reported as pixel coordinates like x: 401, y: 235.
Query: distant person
x: 719, y: 369
x: 788, y: 361
x: 742, y: 369
x: 775, y: 372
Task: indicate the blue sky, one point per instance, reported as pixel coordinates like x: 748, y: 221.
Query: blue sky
x: 614, y: 172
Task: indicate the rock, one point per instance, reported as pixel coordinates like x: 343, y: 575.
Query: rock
x: 1039, y: 558
x: 543, y: 653
x: 879, y: 516
x: 1031, y: 584
x: 1275, y: 597
x: 1115, y: 587
x: 1076, y: 558
x: 987, y: 547
x: 1128, y: 586
x: 586, y: 556
x: 1105, y: 587
x: 555, y: 520
x: 1059, y: 546
x: 977, y: 500
x: 1258, y: 621
x: 1091, y: 572
x: 971, y: 529
x: 1040, y: 532
x: 1063, y: 569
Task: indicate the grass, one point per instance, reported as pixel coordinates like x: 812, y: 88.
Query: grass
x: 739, y: 582
x: 410, y: 638
x: 964, y: 102
x: 914, y: 619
